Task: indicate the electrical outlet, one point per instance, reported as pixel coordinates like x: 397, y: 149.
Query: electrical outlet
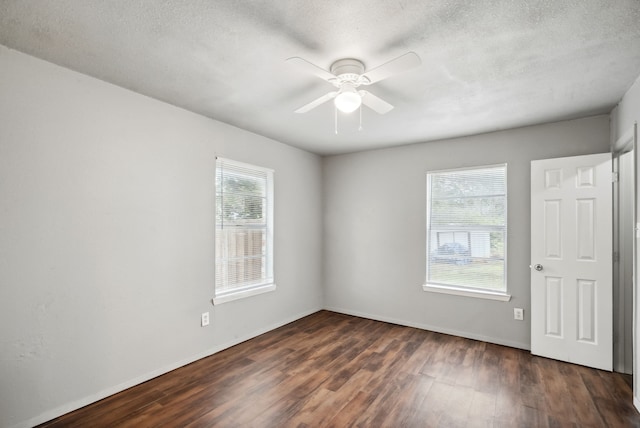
x: 204, y: 319
x: 518, y: 314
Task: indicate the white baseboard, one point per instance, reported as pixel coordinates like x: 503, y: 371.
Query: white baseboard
x: 74, y: 405
x: 636, y: 403
x: 437, y: 329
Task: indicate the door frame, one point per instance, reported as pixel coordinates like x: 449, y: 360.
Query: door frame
x: 624, y: 144
x: 630, y: 137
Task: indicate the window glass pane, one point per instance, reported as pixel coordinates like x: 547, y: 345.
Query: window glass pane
x: 488, y: 274
x: 466, y: 224
x: 243, y: 226
x: 240, y: 209
x: 242, y: 182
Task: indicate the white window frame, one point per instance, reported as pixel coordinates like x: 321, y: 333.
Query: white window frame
x: 463, y: 290
x: 267, y: 284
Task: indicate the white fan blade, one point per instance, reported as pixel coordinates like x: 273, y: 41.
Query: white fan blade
x: 308, y: 67
x: 376, y: 104
x: 315, y: 103
x: 402, y: 63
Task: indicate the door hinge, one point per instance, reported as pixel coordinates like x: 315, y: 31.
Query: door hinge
x: 616, y: 257
x: 614, y: 177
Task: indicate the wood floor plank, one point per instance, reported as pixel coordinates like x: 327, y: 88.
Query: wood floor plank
x: 406, y: 412
x: 417, y: 360
x: 320, y: 414
x: 448, y: 405
x: 468, y: 369
x: 581, y: 399
x: 558, y: 396
x: 310, y: 414
x: 387, y: 397
x: 335, y: 370
x: 352, y: 411
x: 444, y: 361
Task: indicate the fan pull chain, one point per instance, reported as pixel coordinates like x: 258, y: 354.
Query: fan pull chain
x: 335, y: 113
x: 360, y: 127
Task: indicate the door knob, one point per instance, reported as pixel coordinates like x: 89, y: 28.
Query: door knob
x: 538, y: 267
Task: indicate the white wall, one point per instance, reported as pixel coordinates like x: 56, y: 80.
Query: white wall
x: 375, y: 227
x: 627, y: 112
x: 623, y: 118
x: 106, y: 238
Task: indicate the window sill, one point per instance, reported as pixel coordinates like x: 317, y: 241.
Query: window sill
x: 241, y: 294
x: 491, y: 295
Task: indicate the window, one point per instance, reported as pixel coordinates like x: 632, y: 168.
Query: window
x: 467, y: 231
x: 244, y: 230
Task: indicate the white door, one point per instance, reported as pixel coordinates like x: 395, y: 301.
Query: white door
x: 571, y: 259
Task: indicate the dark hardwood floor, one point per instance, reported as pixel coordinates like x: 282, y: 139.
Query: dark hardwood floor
x: 336, y: 370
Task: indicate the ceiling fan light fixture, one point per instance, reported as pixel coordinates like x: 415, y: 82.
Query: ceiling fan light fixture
x: 348, y: 74
x: 348, y: 99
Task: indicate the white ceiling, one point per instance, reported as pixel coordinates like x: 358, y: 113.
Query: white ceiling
x: 487, y: 65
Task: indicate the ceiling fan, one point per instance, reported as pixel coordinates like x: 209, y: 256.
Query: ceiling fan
x: 347, y: 75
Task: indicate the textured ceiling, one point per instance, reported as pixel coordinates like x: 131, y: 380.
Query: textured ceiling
x: 486, y: 65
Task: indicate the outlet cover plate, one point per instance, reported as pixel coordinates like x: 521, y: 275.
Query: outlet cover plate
x: 204, y: 319
x: 518, y: 314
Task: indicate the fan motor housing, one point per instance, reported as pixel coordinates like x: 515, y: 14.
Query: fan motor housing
x: 347, y: 66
